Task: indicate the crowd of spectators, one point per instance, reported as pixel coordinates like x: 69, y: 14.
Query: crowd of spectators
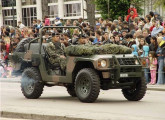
x: 145, y: 36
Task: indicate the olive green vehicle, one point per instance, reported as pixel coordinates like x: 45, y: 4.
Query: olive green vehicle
x: 84, y: 76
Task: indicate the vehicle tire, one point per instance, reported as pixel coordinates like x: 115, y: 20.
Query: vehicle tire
x: 31, y: 84
x: 71, y: 90
x: 87, y: 85
x: 137, y: 92
x: 20, y: 46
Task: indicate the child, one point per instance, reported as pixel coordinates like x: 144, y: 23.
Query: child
x: 134, y: 50
x: 153, y: 66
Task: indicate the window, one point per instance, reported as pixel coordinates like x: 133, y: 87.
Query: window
x: 28, y: 15
x: 9, y: 22
x: 72, y: 10
x: 52, y: 1
x: 8, y: 16
x: 28, y: 2
x: 8, y: 3
x: 53, y: 12
x: 8, y: 12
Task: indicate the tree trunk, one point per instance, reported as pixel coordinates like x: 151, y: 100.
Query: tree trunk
x: 44, y: 8
x: 90, y: 11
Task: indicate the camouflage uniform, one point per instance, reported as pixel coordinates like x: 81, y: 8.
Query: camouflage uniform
x: 55, y: 50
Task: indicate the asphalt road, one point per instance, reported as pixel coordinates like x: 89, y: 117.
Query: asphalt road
x: 55, y: 101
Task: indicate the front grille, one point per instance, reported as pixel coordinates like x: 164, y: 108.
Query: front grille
x: 126, y: 61
x: 125, y: 70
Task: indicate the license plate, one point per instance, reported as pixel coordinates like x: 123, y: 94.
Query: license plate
x: 123, y: 75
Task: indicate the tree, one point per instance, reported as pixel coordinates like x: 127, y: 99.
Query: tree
x: 117, y: 7
x: 44, y: 8
x: 158, y: 3
x: 90, y: 11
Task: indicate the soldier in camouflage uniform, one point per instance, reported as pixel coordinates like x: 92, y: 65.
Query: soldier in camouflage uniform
x: 55, y: 49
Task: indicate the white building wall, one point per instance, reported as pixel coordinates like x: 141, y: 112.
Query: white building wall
x: 61, y: 8
x: 19, y: 10
x: 39, y: 9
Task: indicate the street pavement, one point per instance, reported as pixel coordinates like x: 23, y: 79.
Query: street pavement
x: 149, y: 87
x: 56, y: 104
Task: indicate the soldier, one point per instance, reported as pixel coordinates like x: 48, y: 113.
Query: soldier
x: 55, y: 50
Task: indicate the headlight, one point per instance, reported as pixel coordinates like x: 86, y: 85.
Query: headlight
x: 136, y: 62
x: 103, y: 63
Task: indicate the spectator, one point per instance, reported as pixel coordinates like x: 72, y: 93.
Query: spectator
x: 117, y: 39
x: 158, y: 28
x: 153, y: 67
x: 146, y: 35
x: 58, y: 22
x: 34, y: 24
x: 20, y: 25
x: 161, y: 78
x: 157, y: 17
x: 130, y: 18
x: 98, y: 38
x: 106, y: 38
x: 142, y: 42
x: 154, y: 44
x: 80, y: 21
x: 153, y: 25
x: 47, y: 21
x: 151, y: 14
x: 132, y: 8
x: 148, y: 23
x: 67, y: 40
x: 39, y: 24
x: 130, y: 40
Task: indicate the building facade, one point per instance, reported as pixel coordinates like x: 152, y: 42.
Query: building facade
x: 12, y: 11
x: 27, y: 10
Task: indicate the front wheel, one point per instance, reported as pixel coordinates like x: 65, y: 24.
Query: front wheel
x: 71, y: 90
x: 136, y: 92
x: 31, y: 84
x: 87, y: 85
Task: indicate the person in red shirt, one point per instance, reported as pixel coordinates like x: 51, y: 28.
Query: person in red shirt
x: 47, y: 21
x: 130, y: 18
x: 133, y: 9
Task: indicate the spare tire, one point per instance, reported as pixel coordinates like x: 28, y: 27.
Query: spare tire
x: 20, y: 46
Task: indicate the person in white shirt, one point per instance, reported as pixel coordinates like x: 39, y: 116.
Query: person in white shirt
x: 20, y: 25
x: 148, y: 24
x: 58, y: 22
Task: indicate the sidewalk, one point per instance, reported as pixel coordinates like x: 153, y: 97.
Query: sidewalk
x: 12, y: 119
x: 149, y: 87
x: 156, y: 87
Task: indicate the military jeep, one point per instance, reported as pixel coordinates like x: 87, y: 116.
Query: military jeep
x: 84, y: 75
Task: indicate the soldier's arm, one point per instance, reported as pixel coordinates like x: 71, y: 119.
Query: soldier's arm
x: 51, y: 51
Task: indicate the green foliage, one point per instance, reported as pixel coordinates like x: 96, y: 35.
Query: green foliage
x: 158, y: 3
x: 117, y: 7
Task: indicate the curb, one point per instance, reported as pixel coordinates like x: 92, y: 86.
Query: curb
x: 156, y: 89
x: 6, y: 114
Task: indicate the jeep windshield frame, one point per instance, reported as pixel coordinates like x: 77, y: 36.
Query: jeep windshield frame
x: 62, y: 27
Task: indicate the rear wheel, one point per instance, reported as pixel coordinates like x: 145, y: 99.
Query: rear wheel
x: 87, y: 85
x: 136, y: 92
x: 31, y: 84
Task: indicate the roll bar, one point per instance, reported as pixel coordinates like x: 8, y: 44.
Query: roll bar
x: 45, y: 27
